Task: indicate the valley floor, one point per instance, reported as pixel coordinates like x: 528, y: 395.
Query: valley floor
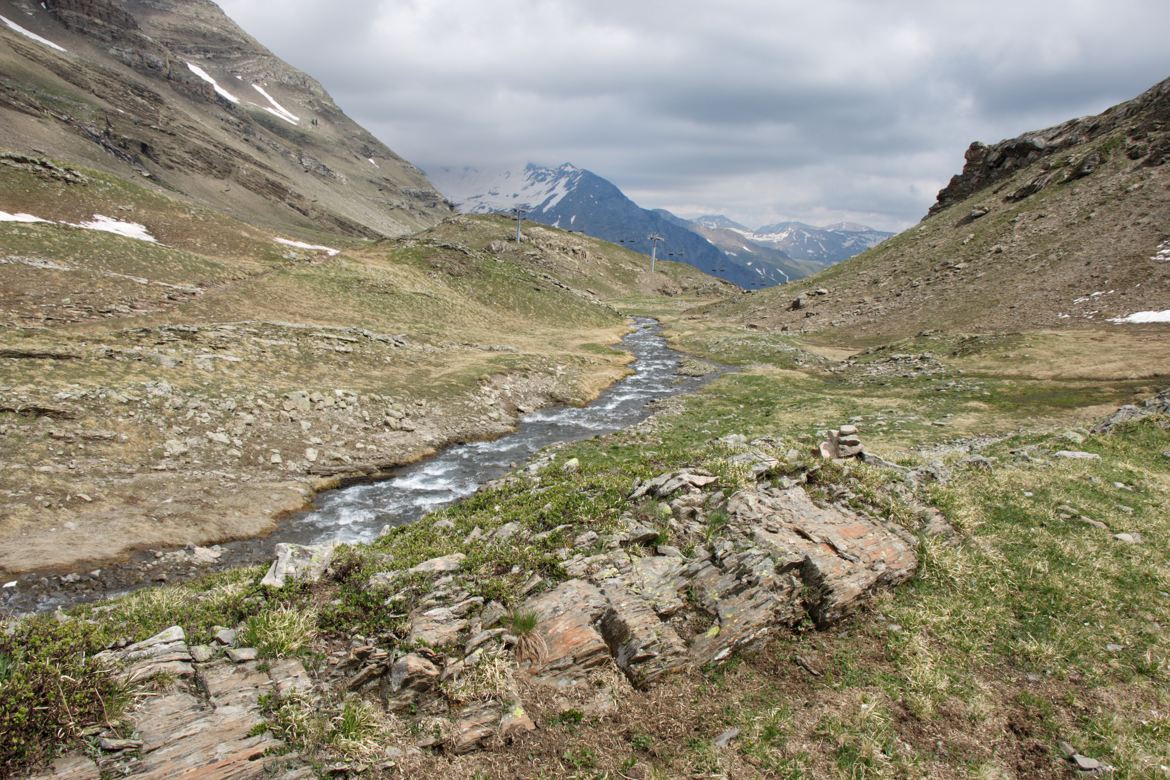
x: 1032, y: 640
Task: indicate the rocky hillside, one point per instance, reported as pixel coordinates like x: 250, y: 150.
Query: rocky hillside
x: 174, y: 94
x: 1056, y: 228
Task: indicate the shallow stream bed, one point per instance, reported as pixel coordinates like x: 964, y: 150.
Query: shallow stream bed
x: 360, y: 512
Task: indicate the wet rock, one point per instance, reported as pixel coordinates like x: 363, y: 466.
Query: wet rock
x: 295, y: 562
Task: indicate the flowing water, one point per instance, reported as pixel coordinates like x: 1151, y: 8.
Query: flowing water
x: 359, y: 513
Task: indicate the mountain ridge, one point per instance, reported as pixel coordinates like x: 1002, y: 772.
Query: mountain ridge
x: 577, y: 199
x: 1056, y: 228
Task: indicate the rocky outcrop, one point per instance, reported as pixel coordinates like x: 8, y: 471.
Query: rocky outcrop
x: 1145, y: 121
x: 201, y: 723
x: 1158, y: 405
x: 635, y: 612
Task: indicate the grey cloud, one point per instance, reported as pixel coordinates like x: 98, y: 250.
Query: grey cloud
x: 858, y: 109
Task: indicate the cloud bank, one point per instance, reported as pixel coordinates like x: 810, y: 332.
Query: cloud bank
x: 853, y: 110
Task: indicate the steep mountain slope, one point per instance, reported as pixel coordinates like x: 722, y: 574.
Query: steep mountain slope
x: 576, y: 199
x: 1063, y: 227
x: 176, y: 94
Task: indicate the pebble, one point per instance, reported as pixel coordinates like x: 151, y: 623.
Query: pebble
x: 1112, y: 647
x: 724, y: 739
x: 1128, y: 538
x: 1076, y: 455
x: 1085, y: 764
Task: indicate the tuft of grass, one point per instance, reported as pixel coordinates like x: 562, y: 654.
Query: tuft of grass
x: 282, y: 631
x: 522, y: 622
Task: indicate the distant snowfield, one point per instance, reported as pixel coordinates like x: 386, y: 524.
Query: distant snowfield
x: 313, y: 247
x: 99, y: 222
x: 30, y: 34
x: 201, y: 73
x: 1143, y: 317
x: 277, y: 109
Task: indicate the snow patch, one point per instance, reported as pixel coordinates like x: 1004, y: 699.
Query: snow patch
x: 30, y: 34
x: 277, y: 109
x: 201, y: 73
x: 99, y: 222
x: 118, y: 227
x: 1143, y: 317
x: 314, y: 247
x: 6, y: 217
x: 373, y: 162
x: 1163, y: 253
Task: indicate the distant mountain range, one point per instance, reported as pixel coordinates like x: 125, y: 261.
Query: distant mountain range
x: 573, y: 198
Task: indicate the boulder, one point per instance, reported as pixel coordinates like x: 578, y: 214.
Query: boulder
x: 643, y: 647
x: 410, y: 676
x: 444, y: 565
x: 846, y: 557
x: 298, y: 562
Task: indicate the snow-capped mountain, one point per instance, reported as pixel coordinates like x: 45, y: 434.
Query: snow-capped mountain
x: 720, y: 222
x: 824, y: 245
x: 573, y: 198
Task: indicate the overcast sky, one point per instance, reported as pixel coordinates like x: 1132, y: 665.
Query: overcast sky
x: 763, y: 110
